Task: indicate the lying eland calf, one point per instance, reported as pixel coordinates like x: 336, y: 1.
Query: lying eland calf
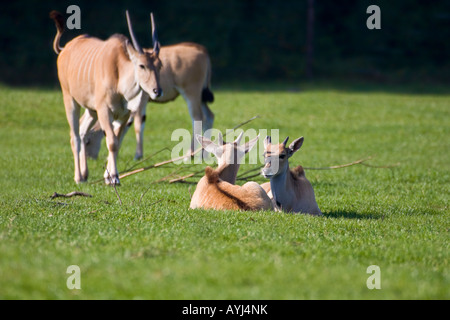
x: 216, y: 190
x: 289, y: 190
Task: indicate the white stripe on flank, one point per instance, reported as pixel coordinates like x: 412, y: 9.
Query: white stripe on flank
x: 80, y: 63
x: 99, y: 52
x: 93, y: 58
x: 85, y: 61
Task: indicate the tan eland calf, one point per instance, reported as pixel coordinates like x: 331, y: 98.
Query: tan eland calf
x: 216, y: 190
x: 289, y: 190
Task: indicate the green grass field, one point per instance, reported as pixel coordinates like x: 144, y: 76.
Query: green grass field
x: 153, y: 247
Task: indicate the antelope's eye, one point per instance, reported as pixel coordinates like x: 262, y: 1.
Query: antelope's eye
x: 141, y: 66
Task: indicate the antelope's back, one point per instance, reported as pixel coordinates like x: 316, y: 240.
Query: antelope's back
x: 186, y: 61
x: 87, y: 63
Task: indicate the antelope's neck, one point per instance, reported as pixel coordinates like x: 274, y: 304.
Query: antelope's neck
x: 129, y: 87
x: 228, y: 172
x: 279, y: 184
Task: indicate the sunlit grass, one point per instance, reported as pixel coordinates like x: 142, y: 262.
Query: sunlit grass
x: 153, y: 247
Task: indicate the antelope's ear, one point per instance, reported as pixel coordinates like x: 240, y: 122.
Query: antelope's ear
x: 208, y: 145
x: 132, y: 53
x: 267, y: 141
x: 238, y: 139
x: 249, y: 145
x: 220, y: 139
x: 294, y: 146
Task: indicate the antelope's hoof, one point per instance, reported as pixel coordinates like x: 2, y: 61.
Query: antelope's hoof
x: 113, y: 181
x: 80, y: 180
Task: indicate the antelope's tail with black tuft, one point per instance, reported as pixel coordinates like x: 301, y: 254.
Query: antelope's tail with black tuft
x: 207, y: 95
x: 59, y: 22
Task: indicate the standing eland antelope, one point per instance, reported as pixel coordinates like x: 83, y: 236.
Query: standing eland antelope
x: 216, y: 190
x: 186, y: 71
x: 110, y: 79
x: 289, y: 190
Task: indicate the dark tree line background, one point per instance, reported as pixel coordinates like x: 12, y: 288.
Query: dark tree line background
x: 248, y: 40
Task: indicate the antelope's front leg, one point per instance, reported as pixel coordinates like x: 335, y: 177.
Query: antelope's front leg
x: 119, y: 128
x: 105, y: 118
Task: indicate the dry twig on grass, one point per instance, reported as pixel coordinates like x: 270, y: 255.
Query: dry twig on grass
x: 194, y: 174
x: 246, y: 174
x: 70, y: 195
x: 114, y: 185
x: 360, y: 161
x: 189, y: 155
x: 145, y: 159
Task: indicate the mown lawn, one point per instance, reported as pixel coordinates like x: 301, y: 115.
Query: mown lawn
x: 153, y: 247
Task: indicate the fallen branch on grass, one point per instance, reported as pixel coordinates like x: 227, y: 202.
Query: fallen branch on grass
x: 156, y: 165
x: 243, y: 123
x: 145, y: 159
x: 360, y: 161
x: 70, y: 195
x: 189, y: 155
x: 114, y: 185
x: 246, y: 175
x: 194, y: 174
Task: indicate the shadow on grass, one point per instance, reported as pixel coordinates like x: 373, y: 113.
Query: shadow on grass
x: 339, y: 84
x: 349, y: 85
x: 351, y: 215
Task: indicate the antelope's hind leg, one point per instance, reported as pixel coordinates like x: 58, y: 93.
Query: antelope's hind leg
x: 208, y: 117
x: 87, y: 122
x: 139, y: 125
